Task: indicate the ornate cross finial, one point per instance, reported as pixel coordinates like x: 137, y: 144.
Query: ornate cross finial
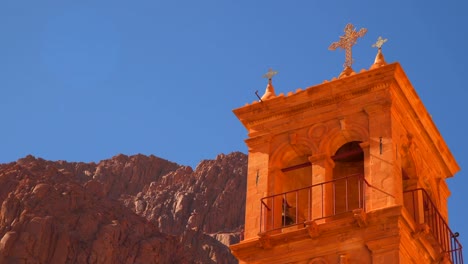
x: 269, y: 75
x: 347, y: 41
x: 379, y: 43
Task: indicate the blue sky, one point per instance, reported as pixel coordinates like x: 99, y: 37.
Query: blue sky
x: 86, y: 80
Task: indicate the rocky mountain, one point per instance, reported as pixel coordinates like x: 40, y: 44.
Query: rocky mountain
x: 127, y: 209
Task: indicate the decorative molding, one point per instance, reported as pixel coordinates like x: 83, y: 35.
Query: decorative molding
x: 277, y: 154
x: 312, y: 229
x: 317, y: 130
x: 255, y: 141
x: 293, y: 138
x: 322, y: 158
x: 343, y: 124
x: 329, y: 100
x: 265, y: 240
x: 318, y: 157
x: 382, y: 245
x: 421, y: 231
x: 336, y: 137
x: 364, y: 145
x: 370, y: 110
x: 360, y: 216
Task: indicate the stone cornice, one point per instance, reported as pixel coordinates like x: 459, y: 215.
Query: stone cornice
x: 272, y: 114
x: 315, y: 97
x: 257, y: 141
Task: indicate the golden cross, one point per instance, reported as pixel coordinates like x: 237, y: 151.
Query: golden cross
x: 379, y: 43
x: 347, y: 41
x: 269, y: 75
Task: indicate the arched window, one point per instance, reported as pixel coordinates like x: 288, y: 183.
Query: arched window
x: 290, y: 197
x: 348, y: 177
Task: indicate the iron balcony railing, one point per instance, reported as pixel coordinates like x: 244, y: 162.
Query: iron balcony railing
x: 424, y: 212
x: 343, y: 195
x: 314, y: 202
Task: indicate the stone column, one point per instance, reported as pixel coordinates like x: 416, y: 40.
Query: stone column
x: 321, y: 195
x: 383, y: 176
x: 366, y: 199
x: 257, y: 185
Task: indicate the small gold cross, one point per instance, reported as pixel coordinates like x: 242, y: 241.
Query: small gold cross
x: 379, y: 43
x: 269, y: 75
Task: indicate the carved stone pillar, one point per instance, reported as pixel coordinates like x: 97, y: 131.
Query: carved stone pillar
x: 321, y: 194
x: 381, y: 171
x: 257, y: 184
x: 365, y: 146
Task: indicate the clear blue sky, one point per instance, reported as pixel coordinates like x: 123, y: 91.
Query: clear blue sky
x: 86, y: 80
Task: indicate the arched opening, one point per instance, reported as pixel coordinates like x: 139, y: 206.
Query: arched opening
x: 294, y: 176
x: 297, y: 173
x: 348, y: 178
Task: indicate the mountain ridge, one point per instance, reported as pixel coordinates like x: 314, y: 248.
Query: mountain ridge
x: 127, y: 209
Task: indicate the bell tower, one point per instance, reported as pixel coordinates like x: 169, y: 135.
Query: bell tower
x: 352, y: 170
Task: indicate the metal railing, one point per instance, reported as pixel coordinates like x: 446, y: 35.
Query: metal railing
x: 319, y: 201
x: 423, y: 210
x: 343, y: 195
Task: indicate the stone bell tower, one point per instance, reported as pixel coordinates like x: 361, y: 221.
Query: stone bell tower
x: 352, y: 170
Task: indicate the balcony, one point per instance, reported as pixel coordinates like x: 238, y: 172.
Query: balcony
x: 315, y: 202
x: 328, y: 200
x: 426, y: 215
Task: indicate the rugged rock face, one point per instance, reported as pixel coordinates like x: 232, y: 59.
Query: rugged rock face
x: 135, y: 209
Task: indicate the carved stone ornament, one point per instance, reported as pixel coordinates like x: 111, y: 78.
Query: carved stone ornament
x: 312, y: 229
x: 265, y: 241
